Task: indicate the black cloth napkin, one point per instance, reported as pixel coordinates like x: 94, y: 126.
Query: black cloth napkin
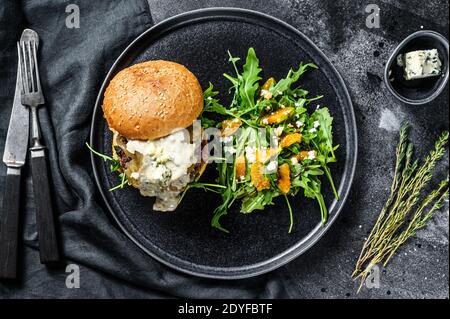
x: 73, y: 64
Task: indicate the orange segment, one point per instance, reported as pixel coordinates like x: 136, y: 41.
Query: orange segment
x: 264, y: 154
x: 278, y: 116
x: 303, y: 155
x: 284, y: 178
x: 290, y: 139
x: 265, y: 93
x: 259, y: 180
x: 270, y: 81
x: 229, y: 127
x: 241, y: 167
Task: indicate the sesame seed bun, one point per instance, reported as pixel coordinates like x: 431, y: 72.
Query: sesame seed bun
x: 152, y: 99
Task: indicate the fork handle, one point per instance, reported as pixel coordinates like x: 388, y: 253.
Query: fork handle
x: 48, y: 246
x: 9, y: 224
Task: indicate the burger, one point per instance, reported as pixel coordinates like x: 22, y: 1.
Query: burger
x: 150, y: 108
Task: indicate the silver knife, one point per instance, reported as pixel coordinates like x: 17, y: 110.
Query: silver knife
x: 14, y: 157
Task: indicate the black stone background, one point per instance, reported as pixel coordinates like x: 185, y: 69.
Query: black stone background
x: 421, y: 268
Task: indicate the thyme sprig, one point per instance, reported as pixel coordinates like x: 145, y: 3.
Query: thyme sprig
x: 405, y: 210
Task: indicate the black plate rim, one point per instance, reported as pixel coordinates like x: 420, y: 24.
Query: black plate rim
x: 232, y: 273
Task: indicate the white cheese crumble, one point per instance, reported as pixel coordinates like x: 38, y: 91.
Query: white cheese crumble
x: 266, y: 94
x: 135, y: 175
x: 250, y: 154
x: 278, y: 130
x: 227, y: 139
x: 272, y: 166
x: 311, y: 155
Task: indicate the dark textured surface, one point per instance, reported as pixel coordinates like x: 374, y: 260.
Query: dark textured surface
x: 338, y: 27
x: 185, y: 238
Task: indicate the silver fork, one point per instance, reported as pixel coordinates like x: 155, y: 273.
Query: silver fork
x: 33, y: 97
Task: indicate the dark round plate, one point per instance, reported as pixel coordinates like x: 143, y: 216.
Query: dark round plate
x: 257, y: 242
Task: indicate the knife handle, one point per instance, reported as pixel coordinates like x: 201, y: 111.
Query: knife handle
x: 48, y: 246
x: 9, y: 225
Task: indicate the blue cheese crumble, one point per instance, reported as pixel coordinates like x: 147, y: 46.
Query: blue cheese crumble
x: 420, y: 64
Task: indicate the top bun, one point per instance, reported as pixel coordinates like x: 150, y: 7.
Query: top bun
x: 152, y: 99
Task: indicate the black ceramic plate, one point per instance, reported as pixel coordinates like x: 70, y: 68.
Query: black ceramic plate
x: 257, y: 242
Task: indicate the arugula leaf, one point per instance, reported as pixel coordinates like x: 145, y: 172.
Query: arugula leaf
x: 233, y: 61
x: 312, y: 189
x: 114, y: 167
x: 249, y: 204
x: 123, y: 182
x: 245, y: 84
x: 250, y: 80
x: 324, y: 143
x: 221, y: 210
x: 212, y: 104
x: 102, y: 156
x: 292, y: 77
x: 325, y: 130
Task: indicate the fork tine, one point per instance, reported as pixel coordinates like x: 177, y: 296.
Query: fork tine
x: 19, y: 57
x: 30, y: 58
x: 38, y: 80
x: 22, y: 68
x: 25, y: 73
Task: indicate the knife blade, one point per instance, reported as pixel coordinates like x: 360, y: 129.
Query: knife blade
x: 16, y: 144
x: 14, y: 156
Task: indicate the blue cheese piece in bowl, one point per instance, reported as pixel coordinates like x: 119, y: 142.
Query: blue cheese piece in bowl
x: 420, y: 64
x: 417, y: 70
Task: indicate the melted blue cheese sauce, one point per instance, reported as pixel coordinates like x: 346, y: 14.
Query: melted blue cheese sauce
x: 164, y: 172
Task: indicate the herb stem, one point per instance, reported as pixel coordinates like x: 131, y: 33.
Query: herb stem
x: 410, y: 181
x: 291, y: 217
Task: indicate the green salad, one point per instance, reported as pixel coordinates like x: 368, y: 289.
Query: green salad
x: 276, y: 143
